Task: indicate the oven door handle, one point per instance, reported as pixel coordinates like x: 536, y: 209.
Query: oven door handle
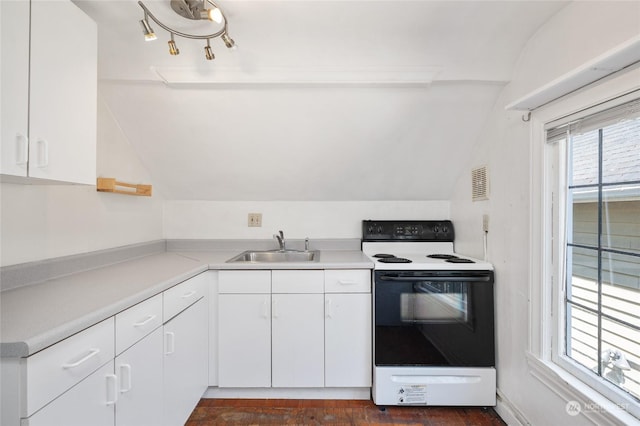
x: 483, y: 278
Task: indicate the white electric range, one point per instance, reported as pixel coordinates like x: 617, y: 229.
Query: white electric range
x: 433, y: 317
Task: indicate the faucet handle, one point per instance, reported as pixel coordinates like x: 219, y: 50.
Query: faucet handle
x: 306, y: 244
x: 281, y: 234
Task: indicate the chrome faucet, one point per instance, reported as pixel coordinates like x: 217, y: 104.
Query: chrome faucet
x: 281, y: 241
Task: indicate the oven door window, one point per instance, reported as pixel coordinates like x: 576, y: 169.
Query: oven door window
x: 439, y: 318
x: 432, y: 302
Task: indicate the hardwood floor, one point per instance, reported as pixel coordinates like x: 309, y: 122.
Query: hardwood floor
x: 332, y: 412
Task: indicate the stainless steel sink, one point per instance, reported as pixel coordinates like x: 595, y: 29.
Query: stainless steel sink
x: 274, y: 256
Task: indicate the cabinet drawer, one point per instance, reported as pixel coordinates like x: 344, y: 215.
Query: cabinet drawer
x: 298, y: 281
x: 183, y: 295
x: 57, y: 368
x: 347, y: 281
x: 238, y: 282
x: 137, y: 321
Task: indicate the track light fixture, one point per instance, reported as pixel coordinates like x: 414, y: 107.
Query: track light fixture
x: 149, y: 35
x: 173, y: 49
x: 194, y: 10
x: 208, y: 53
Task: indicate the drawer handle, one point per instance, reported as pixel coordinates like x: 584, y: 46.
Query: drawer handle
x: 113, y: 389
x: 144, y: 321
x: 125, y: 371
x: 87, y: 357
x: 187, y: 295
x: 342, y: 282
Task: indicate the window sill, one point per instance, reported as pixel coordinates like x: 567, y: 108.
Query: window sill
x: 593, y: 405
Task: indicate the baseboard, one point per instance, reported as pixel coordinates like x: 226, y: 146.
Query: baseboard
x: 289, y: 393
x: 508, y: 412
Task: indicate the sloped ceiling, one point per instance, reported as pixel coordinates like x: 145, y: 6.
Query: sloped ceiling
x: 322, y: 139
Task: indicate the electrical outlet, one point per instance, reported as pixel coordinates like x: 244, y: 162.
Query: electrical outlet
x: 255, y: 219
x: 485, y: 223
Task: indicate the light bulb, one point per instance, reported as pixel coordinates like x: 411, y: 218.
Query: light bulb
x: 215, y: 15
x: 149, y: 35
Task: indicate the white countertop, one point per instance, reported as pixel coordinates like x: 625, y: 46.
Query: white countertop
x: 35, y: 316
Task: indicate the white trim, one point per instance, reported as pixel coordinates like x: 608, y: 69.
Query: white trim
x: 598, y: 409
x: 508, y: 412
x: 545, y: 304
x: 609, y: 62
x: 289, y: 393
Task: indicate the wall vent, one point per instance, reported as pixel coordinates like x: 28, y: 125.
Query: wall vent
x: 480, y: 184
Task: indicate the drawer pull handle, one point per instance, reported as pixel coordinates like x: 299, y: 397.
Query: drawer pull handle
x: 112, y: 390
x: 125, y: 371
x: 341, y: 282
x: 187, y: 295
x: 144, y: 321
x: 87, y: 357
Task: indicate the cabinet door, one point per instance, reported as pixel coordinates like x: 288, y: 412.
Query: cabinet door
x: 90, y: 402
x: 63, y: 93
x: 139, y: 371
x: 244, y: 340
x: 14, y: 86
x: 348, y: 340
x: 185, y: 363
x: 298, y: 340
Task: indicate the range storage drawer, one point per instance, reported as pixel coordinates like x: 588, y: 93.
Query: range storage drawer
x: 180, y: 297
x: 57, y: 368
x: 137, y: 321
x: 347, y: 281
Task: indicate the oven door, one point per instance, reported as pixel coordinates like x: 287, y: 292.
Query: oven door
x: 434, y: 318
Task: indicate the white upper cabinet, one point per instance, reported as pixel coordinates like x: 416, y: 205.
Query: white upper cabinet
x: 58, y: 100
x: 14, y: 86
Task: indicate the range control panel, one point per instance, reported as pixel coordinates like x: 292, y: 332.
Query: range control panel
x: 407, y: 230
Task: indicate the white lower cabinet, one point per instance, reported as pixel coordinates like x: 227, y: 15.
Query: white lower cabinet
x: 90, y: 402
x: 297, y: 334
x: 139, y: 372
x: 244, y: 340
x: 307, y: 329
x: 186, y: 372
x: 146, y: 366
x: 347, y: 341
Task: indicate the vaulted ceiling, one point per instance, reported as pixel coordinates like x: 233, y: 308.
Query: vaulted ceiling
x: 322, y: 100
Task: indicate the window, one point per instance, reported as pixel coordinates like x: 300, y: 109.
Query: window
x: 598, y: 252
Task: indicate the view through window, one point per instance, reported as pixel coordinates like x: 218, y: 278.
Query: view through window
x: 602, y: 269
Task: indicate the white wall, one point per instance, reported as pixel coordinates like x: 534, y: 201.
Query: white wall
x: 578, y: 33
x: 44, y: 221
x: 298, y: 219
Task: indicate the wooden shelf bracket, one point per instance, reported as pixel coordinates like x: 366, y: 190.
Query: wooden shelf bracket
x: 112, y: 185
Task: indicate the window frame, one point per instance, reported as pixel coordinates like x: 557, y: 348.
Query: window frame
x: 547, y: 252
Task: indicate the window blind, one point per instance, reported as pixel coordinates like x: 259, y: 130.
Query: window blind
x: 625, y: 111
